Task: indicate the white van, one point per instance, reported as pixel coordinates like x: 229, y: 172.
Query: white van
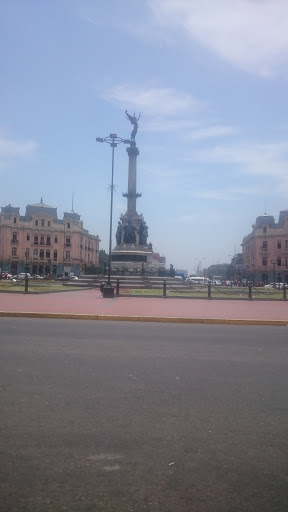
x: 197, y: 280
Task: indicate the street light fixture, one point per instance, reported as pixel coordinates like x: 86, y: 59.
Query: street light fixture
x: 113, y: 140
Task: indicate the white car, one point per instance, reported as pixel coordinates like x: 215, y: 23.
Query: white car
x: 22, y: 275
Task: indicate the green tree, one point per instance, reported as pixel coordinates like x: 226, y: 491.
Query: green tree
x: 103, y: 260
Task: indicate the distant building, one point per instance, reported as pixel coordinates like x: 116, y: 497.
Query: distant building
x: 181, y: 272
x: 221, y: 270
x: 40, y: 243
x: 265, y: 250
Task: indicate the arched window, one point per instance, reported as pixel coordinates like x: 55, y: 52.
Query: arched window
x: 67, y: 255
x: 14, y: 251
x: 41, y: 253
x: 47, y: 253
x: 35, y: 252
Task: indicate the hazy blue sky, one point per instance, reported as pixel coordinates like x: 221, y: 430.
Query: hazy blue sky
x: 210, y: 80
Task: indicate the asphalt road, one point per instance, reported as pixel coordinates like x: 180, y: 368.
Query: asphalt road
x: 121, y: 417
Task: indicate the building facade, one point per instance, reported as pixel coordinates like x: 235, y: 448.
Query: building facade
x: 40, y: 243
x: 265, y: 250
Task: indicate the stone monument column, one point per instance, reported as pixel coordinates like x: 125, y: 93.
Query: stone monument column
x: 132, y: 195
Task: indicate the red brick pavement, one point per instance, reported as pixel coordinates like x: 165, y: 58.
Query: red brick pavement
x: 91, y: 302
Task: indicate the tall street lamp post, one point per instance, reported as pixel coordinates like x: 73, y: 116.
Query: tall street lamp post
x: 274, y: 272
x: 26, y: 258
x: 113, y: 140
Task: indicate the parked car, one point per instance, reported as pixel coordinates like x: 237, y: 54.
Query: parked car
x: 74, y: 278
x: 278, y: 286
x: 22, y: 275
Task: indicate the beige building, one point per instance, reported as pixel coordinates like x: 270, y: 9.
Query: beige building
x: 265, y: 250
x: 40, y: 243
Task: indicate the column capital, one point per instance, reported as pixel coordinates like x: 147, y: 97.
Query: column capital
x: 132, y: 151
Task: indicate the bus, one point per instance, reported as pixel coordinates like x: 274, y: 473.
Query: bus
x: 197, y: 280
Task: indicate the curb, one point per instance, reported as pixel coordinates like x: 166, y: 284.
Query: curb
x: 177, y: 320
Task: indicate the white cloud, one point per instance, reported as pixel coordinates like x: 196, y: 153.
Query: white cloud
x: 209, y: 132
x: 165, y: 124
x: 16, y: 149
x: 212, y: 217
x: 154, y: 101
x: 257, y: 159
x: 225, y: 194
x: 251, y: 35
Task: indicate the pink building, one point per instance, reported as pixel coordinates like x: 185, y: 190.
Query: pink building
x: 265, y: 250
x: 40, y: 243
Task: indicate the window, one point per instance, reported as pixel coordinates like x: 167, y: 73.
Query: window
x: 55, y: 255
x: 48, y: 253
x: 48, y: 241
x: 264, y: 262
x: 14, y: 237
x: 55, y: 239
x: 35, y: 252
x: 279, y: 244
x: 278, y: 262
x: 27, y: 253
x: 264, y: 244
x: 265, y: 229
x: 41, y: 253
x: 67, y: 240
x: 49, y: 223
x: 28, y: 237
x: 36, y: 239
x: 42, y: 240
x: 68, y: 225
x: 15, y: 220
x: 36, y: 222
x: 14, y: 251
x: 42, y: 222
x: 67, y: 256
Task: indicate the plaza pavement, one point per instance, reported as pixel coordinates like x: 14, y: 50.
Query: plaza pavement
x: 89, y: 304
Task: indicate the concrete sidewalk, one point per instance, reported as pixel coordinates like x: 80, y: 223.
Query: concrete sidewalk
x: 89, y: 304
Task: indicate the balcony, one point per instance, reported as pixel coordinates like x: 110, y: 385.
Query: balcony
x: 68, y: 244
x: 14, y: 241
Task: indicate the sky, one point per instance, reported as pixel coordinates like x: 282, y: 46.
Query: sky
x: 210, y: 81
